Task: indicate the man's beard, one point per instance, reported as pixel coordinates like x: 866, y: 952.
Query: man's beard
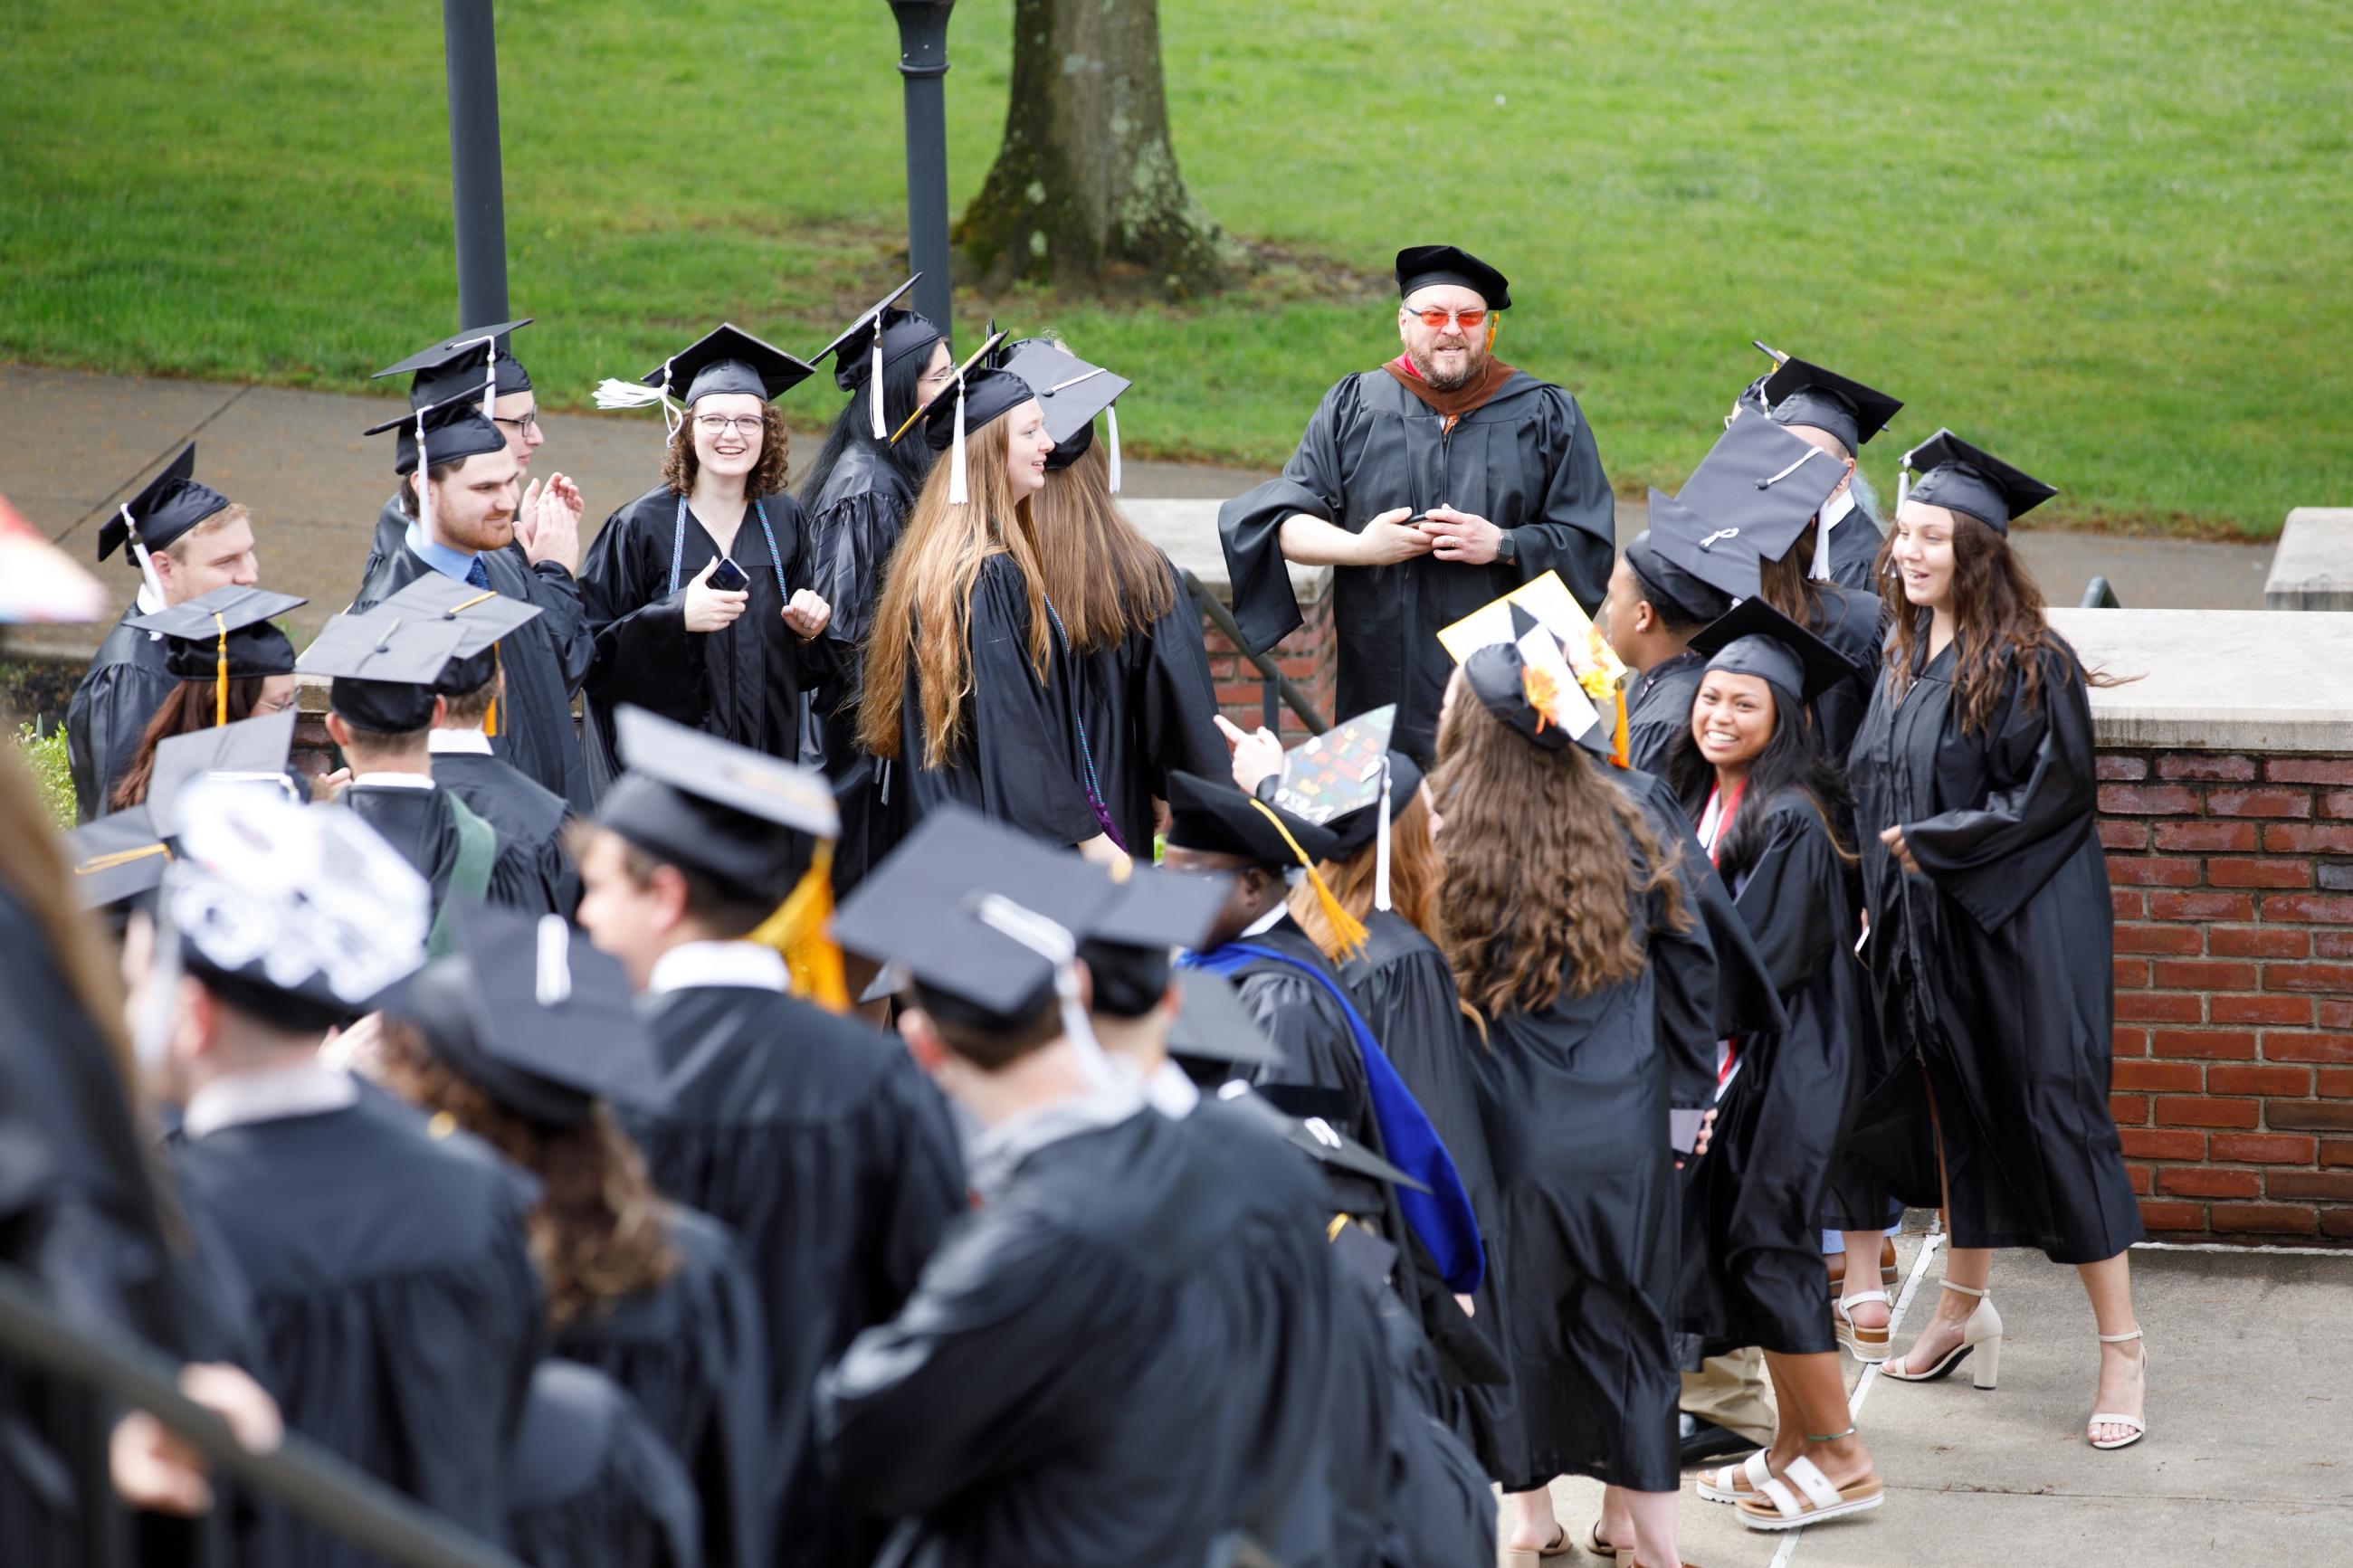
x: 483, y: 534
x: 1474, y: 359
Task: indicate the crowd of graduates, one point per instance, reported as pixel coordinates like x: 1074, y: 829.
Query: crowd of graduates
x: 901, y: 1079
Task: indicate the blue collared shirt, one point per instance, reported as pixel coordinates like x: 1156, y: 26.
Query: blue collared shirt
x: 448, y: 559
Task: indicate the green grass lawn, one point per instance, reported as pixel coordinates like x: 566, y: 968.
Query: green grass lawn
x: 2113, y: 243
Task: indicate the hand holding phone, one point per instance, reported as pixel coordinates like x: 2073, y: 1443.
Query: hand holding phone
x: 728, y: 577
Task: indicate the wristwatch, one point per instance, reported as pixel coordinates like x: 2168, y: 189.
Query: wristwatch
x: 1507, y: 545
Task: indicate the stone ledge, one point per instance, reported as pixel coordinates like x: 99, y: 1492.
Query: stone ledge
x: 2313, y: 567
x: 2217, y: 681
x: 1187, y: 530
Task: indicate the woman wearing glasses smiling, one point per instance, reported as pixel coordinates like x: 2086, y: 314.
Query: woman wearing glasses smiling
x: 697, y: 591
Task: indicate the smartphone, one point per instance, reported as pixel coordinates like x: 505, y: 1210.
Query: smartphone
x: 1682, y: 1130
x: 729, y: 578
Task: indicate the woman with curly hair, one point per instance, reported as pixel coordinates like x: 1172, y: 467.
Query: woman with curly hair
x: 654, y: 1295
x: 1992, y: 933
x: 1574, y: 939
x: 697, y: 591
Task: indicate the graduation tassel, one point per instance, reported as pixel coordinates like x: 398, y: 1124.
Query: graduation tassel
x: 490, y: 376
x: 1381, y: 844
x: 1902, y: 479
x: 957, y: 494
x: 1618, y: 751
x: 146, y: 564
x: 1056, y: 945
x: 1347, y: 931
x: 424, y: 485
x: 498, y: 679
x: 875, y: 377
x: 220, y: 673
x: 1110, y: 418
x: 798, y: 930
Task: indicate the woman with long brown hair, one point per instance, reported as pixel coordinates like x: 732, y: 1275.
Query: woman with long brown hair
x: 1572, y: 936
x: 231, y: 663
x: 651, y: 1293
x: 968, y: 696
x: 697, y: 593
x: 1147, y: 705
x: 1992, y: 933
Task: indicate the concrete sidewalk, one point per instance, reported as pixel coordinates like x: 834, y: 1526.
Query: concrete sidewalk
x: 2248, y: 1407
x: 79, y: 443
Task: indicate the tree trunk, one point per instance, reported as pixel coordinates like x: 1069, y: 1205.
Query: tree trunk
x: 1085, y: 194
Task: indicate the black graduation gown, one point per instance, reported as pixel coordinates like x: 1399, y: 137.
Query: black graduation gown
x: 832, y: 1159
x: 544, y: 661
x: 1524, y: 460
x: 394, y: 1288
x: 119, y: 695
x: 854, y: 524
x: 744, y: 683
x: 1589, y: 1247
x: 1753, y: 1200
x: 1149, y: 705
x: 1996, y: 965
x: 535, y: 873
x: 1855, y: 546
x: 423, y: 825
x: 1323, y: 1072
x: 1019, y: 761
x: 594, y: 1485
x: 1658, y: 708
x: 1854, y: 623
x: 692, y: 1352
x: 1437, y: 1510
x: 1058, y: 1390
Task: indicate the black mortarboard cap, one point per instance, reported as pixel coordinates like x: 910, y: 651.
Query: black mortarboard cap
x: 1213, y: 1025
x: 923, y: 908
x: 1761, y: 484
x: 1364, y: 1254
x: 484, y: 620
x: 196, y: 632
x: 885, y: 326
x: 1070, y: 390
x: 1419, y: 266
x: 1333, y: 779
x: 1315, y: 1136
x: 250, y: 751
x: 1127, y: 941
x: 529, y: 1011
x: 1213, y: 815
x: 729, y: 359
x: 1712, y: 556
x: 1967, y: 478
x: 168, y: 506
x: 115, y: 857
x: 989, y: 395
x: 1658, y: 555
x: 386, y: 667
x: 1800, y: 393
x: 453, y: 368
x: 452, y: 431
x: 1754, y: 639
x: 743, y: 818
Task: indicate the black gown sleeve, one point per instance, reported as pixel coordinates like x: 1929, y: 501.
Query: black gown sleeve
x: 1250, y: 526
x: 1992, y: 856
x: 104, y: 721
x: 1782, y: 900
x: 564, y: 620
x: 1410, y: 1003
x: 1172, y: 697
x: 641, y: 651
x: 1684, y: 964
x: 1577, y: 532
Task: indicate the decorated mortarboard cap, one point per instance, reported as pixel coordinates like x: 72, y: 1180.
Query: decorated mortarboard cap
x: 115, y: 857
x: 730, y: 360
x: 170, y: 504
x: 1128, y: 942
x: 386, y: 667
x: 1214, y: 1027
x: 1071, y: 392
x: 1421, y: 266
x: 224, y: 633
x: 302, y: 915
x: 744, y: 819
x: 449, y: 431
x: 1658, y: 555
x: 251, y: 751
x: 1754, y: 639
x: 454, y: 367
x: 1800, y: 393
x: 1970, y: 480
x: 939, y: 907
x: 1761, y: 484
x: 1335, y: 779
x: 1526, y: 680
x: 529, y: 1011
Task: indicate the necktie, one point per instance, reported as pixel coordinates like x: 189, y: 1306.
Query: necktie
x: 475, y: 574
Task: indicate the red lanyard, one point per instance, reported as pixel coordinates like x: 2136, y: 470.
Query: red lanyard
x: 1724, y: 819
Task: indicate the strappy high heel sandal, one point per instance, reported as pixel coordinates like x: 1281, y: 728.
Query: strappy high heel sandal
x: 2139, y: 1424
x: 1867, y: 1345
x: 1982, y: 1332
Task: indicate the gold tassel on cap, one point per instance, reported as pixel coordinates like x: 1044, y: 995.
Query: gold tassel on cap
x: 220, y: 674
x: 799, y: 931
x: 498, y: 670
x: 1347, y: 931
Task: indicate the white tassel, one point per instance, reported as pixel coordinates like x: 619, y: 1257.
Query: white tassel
x: 612, y: 394
x: 146, y: 562
x: 1055, y: 944
x: 1381, y: 844
x: 875, y: 378
x: 956, y: 490
x: 1903, y: 480
x: 1110, y: 418
x: 1833, y: 512
x: 490, y: 375
x: 424, y: 485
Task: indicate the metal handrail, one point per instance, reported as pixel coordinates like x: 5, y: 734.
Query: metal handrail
x: 298, y: 1472
x: 1271, y: 673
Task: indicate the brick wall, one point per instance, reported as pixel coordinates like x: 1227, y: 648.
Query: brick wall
x: 2235, y: 990
x: 1306, y: 656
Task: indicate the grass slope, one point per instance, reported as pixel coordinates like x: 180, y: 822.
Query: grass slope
x: 2110, y: 242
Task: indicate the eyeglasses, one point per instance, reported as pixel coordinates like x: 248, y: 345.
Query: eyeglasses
x: 720, y: 424
x: 265, y: 708
x: 524, y: 427
x: 1435, y: 320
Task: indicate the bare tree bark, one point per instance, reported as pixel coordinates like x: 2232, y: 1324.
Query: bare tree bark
x: 1085, y: 194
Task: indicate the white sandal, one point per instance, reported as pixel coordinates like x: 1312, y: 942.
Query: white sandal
x: 1982, y: 1332
x: 1778, y: 1507
x: 2139, y: 1424
x: 1867, y: 1345
x: 1726, y: 1485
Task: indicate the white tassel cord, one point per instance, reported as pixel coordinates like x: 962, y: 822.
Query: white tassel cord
x: 958, y: 490
x: 424, y: 484
x: 874, y: 379
x: 613, y: 394
x: 1381, y: 843
x: 1110, y: 418
x: 490, y: 375
x: 146, y: 562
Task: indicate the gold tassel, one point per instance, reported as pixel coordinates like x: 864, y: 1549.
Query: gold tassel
x: 108, y: 862
x: 800, y: 929
x: 1617, y: 752
x: 220, y: 674
x: 1347, y: 931
x: 490, y: 717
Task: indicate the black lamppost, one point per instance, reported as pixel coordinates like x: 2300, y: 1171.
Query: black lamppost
x: 922, y: 61
x: 476, y: 187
